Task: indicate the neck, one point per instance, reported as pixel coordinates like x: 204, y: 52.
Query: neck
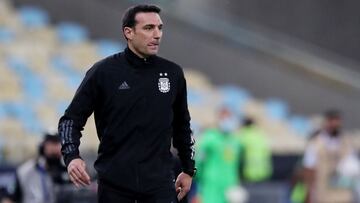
x: 131, y: 47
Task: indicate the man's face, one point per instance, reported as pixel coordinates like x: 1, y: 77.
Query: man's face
x: 333, y: 125
x: 224, y: 113
x: 52, y: 149
x: 227, y: 121
x: 145, y: 37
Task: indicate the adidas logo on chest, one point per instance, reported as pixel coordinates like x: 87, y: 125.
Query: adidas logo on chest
x: 124, y: 86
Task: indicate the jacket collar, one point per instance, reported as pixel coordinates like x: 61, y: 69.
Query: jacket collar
x: 136, y: 61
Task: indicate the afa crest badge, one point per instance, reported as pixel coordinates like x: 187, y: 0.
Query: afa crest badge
x: 164, y: 84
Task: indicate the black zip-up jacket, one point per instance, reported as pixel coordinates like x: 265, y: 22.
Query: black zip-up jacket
x: 139, y: 105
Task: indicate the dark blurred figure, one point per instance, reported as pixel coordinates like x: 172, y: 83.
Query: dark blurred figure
x: 328, y: 161
x: 5, y: 197
x: 40, y: 177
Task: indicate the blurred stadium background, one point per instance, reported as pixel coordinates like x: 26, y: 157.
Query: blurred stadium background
x: 281, y: 62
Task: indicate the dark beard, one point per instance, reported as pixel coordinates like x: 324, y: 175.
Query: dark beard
x: 56, y: 170
x: 53, y: 162
x: 334, y: 132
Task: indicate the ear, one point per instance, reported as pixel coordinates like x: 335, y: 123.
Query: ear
x: 128, y: 32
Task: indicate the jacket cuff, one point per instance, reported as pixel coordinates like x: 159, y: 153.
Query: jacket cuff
x: 189, y: 168
x: 70, y: 157
x: 190, y: 172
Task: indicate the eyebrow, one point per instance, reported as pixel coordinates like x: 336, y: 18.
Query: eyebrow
x: 153, y: 25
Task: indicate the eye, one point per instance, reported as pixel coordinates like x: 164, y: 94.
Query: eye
x: 148, y: 27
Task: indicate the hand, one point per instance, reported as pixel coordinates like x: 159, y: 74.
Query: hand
x: 182, y: 185
x: 77, y: 172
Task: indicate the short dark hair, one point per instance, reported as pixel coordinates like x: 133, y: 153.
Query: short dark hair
x: 128, y: 19
x: 248, y: 122
x: 332, y: 114
x: 51, y: 137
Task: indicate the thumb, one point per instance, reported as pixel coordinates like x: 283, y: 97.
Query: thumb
x: 177, y: 183
x: 178, y: 186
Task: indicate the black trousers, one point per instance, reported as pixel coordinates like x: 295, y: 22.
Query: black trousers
x: 108, y: 194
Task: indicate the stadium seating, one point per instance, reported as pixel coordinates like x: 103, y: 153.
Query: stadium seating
x: 71, y: 33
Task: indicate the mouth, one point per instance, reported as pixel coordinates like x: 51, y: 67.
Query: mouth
x: 153, y: 45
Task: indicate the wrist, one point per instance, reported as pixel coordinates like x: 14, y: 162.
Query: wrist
x: 190, y: 172
x: 71, y: 157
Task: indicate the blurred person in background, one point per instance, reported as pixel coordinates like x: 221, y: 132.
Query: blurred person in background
x: 140, y: 102
x: 330, y: 163
x: 5, y: 197
x: 298, y: 189
x: 218, y: 153
x: 256, y: 161
x: 38, y: 177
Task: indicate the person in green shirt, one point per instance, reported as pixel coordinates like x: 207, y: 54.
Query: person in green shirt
x: 217, y: 159
x: 256, y: 157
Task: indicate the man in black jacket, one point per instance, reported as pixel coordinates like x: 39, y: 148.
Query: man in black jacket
x: 140, y: 104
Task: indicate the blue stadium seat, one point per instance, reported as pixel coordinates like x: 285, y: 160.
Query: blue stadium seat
x: 301, y: 124
x: 277, y: 109
x: 74, y: 81
x: 6, y: 35
x: 17, y: 110
x: 64, y: 65
x: 19, y: 65
x: 2, y: 110
x: 34, y: 88
x: 234, y: 97
x: 33, y: 17
x: 23, y: 111
x: 195, y: 127
x: 69, y: 32
x: 61, y: 107
x: 195, y: 97
x: 31, y: 83
x: 107, y: 47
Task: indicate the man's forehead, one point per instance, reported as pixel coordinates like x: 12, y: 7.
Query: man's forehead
x: 144, y: 18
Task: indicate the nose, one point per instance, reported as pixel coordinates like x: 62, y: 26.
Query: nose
x: 157, y: 33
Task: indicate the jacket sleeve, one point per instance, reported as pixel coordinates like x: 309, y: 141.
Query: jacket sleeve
x: 73, y: 121
x: 183, y: 140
